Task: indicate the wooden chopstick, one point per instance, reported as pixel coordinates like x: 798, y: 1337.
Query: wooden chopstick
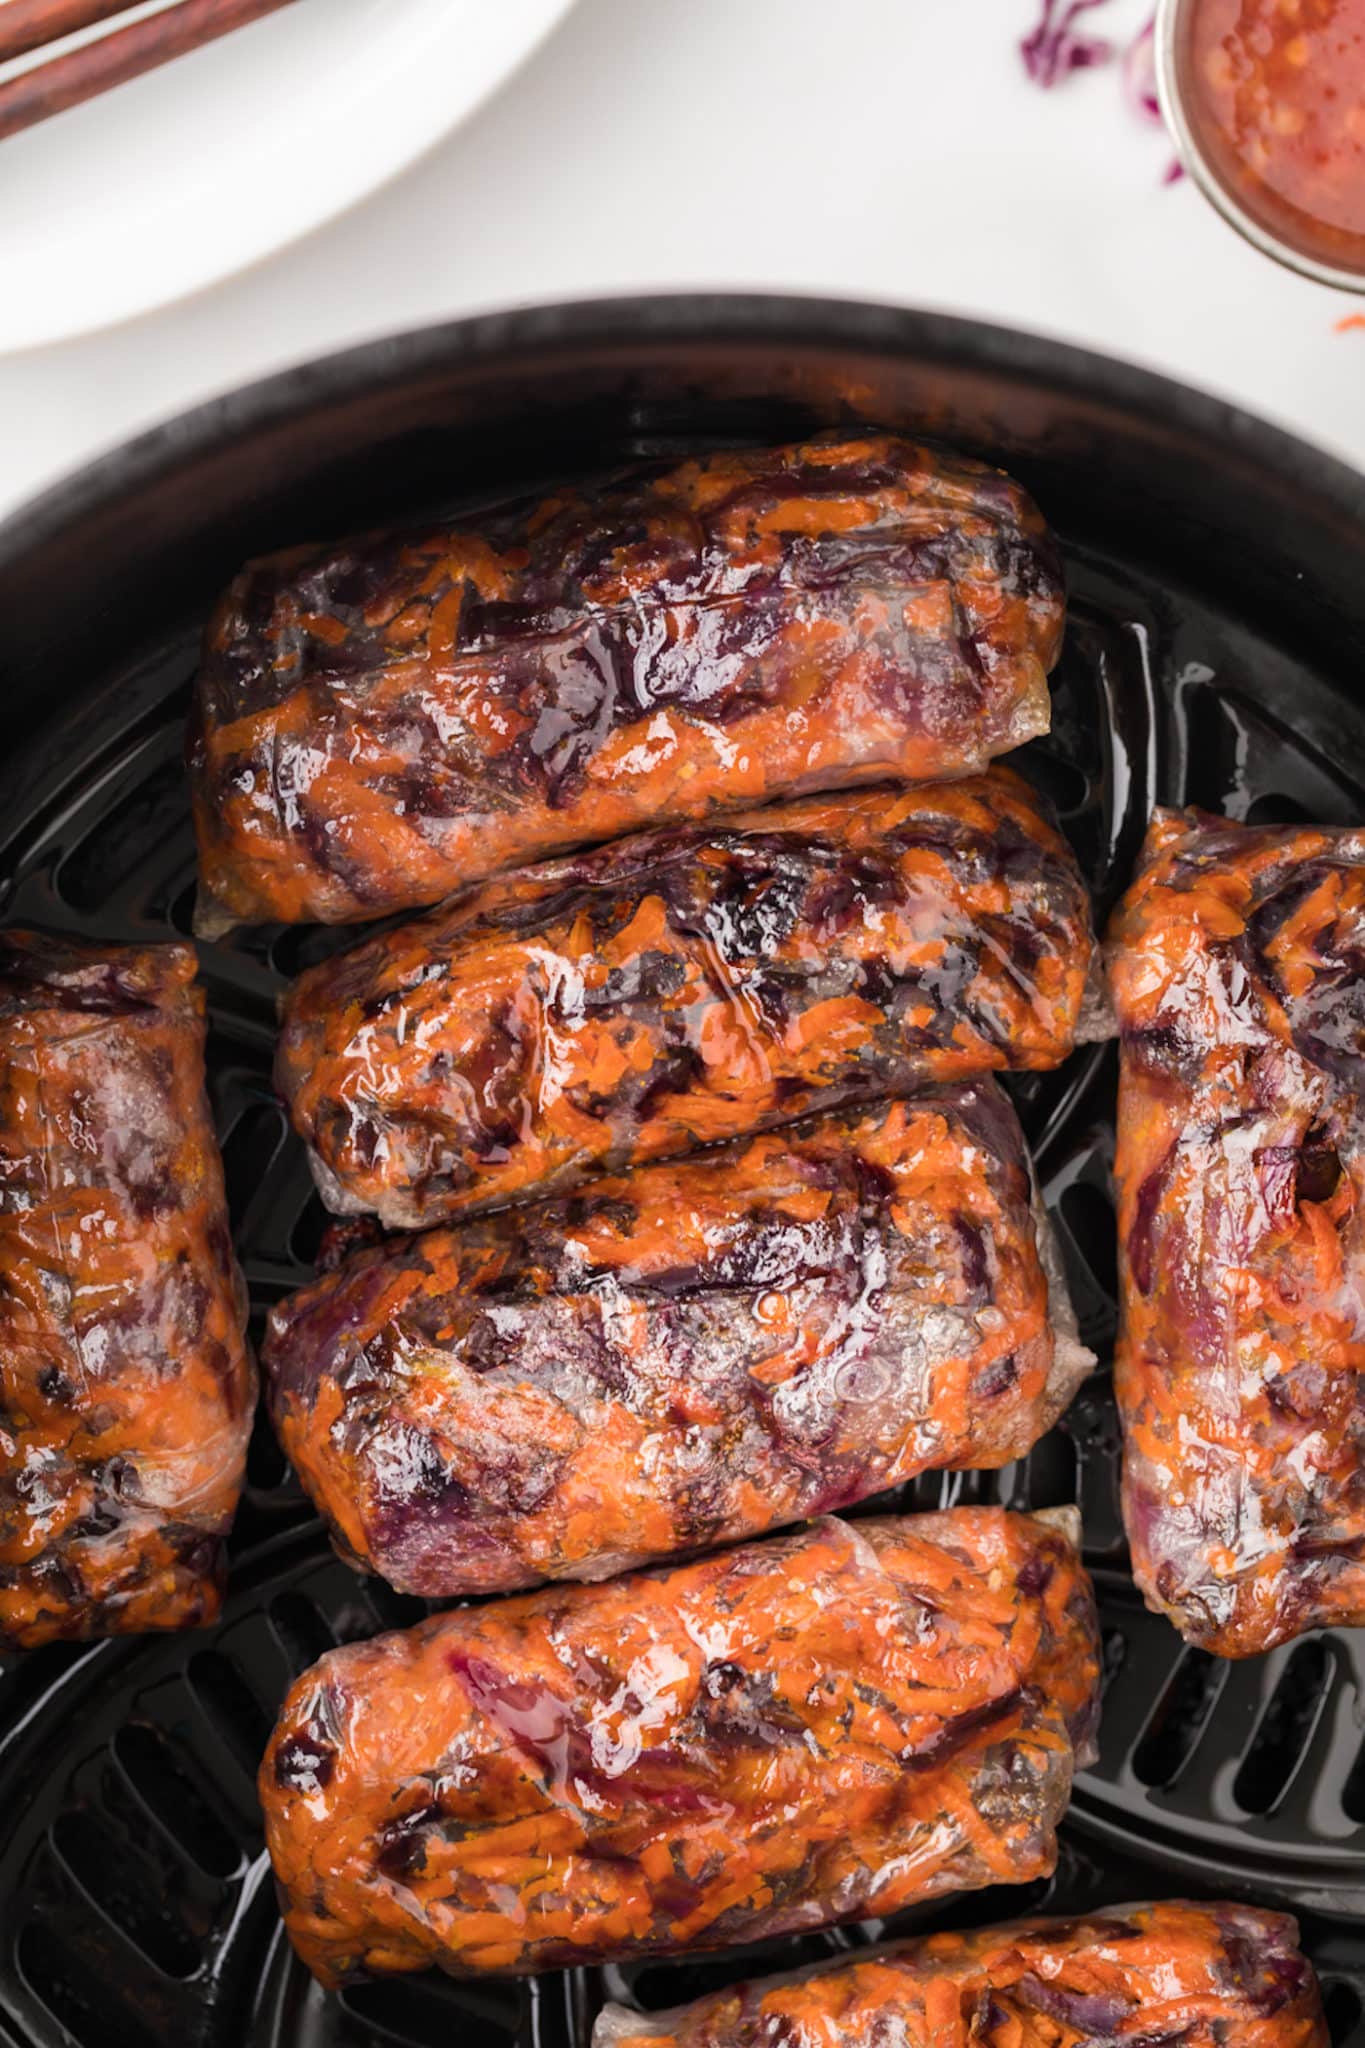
x: 28, y: 24
x: 123, y: 54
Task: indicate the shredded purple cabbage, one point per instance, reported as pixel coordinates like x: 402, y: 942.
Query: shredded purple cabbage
x: 1139, y: 74
x: 1056, y: 48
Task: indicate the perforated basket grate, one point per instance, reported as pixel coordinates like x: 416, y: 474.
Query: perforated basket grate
x: 136, y: 1908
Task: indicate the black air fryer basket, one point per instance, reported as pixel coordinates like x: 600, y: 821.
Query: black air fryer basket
x: 1217, y: 579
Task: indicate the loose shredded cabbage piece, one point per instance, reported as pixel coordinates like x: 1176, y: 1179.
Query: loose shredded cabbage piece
x: 1139, y: 83
x: 1139, y: 73
x: 1056, y: 47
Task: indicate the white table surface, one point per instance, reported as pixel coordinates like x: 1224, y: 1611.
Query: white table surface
x: 880, y: 149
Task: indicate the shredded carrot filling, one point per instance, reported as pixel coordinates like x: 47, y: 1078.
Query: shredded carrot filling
x: 1235, y: 964
x: 714, y: 1752
x: 631, y: 1003
x: 1195, y: 1975
x: 383, y: 722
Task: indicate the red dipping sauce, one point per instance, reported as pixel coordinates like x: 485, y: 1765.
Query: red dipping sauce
x: 1274, y: 93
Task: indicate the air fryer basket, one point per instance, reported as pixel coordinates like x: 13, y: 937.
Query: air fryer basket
x: 1217, y: 575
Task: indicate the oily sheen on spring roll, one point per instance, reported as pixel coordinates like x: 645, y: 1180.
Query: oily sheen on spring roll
x: 379, y: 723
x: 126, y: 1389
x: 637, y: 1000
x: 822, y: 1727
x: 680, y: 1356
x: 1238, y: 970
x: 1173, y: 1975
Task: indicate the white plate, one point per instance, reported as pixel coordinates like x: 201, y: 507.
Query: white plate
x: 192, y: 172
